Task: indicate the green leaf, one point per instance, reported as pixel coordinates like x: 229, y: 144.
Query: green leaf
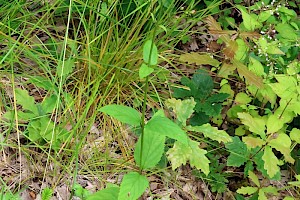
x: 242, y: 98
x: 238, y: 152
x: 199, y: 59
x: 286, y: 31
x: 270, y: 190
x: 295, y: 135
x: 145, y: 71
x: 262, y: 195
x: 26, y: 101
x: 165, y: 127
x: 181, y: 153
x: 122, y: 113
x: 254, y: 178
x: 198, y: 158
x: 150, y: 55
x: 256, y: 67
x: 49, y: 103
x: 250, y: 21
x: 133, y: 186
x: 283, y: 144
x: 211, y: 132
x: 47, y: 193
x: 274, y: 124
x: 152, y: 150
x: 286, y: 87
x: 247, y: 190
x: 111, y: 193
x: 183, y: 109
x: 253, y: 142
x: 256, y: 125
x: 271, y: 162
x: 242, y: 51
x: 64, y: 67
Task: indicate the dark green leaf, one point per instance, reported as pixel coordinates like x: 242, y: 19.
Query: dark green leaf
x: 239, y: 153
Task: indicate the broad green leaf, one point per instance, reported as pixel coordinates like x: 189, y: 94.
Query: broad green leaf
x: 211, y: 132
x: 271, y: 162
x: 283, y: 144
x: 286, y: 31
x: 254, y: 178
x: 145, y: 71
x: 295, y: 135
x: 293, y: 68
x: 286, y: 87
x: 274, y: 124
x: 242, y: 98
x: 182, y: 108
x: 132, y: 186
x: 150, y: 56
x: 264, y: 15
x: 250, y: 21
x: 64, y: 67
x: 111, y: 193
x: 258, y: 154
x: 238, y: 152
x: 199, y: 59
x: 26, y: 101
x: 269, y: 48
x: 242, y: 51
x: 250, y: 77
x: 165, y: 127
x: 152, y: 150
x: 253, y: 142
x: 49, y: 103
x: 256, y: 125
x: 256, y: 67
x: 181, y: 153
x: 122, y: 113
x: 247, y: 190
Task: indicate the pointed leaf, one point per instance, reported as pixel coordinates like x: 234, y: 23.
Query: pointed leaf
x: 211, y: 132
x: 270, y: 189
x: 152, y: 150
x: 254, y: 178
x: 133, y: 186
x: 122, y: 113
x: 256, y: 125
x: 49, y: 103
x: 150, y: 56
x: 271, y: 162
x: 250, y: 21
x: 163, y: 126
x: 262, y: 195
x: 283, y: 144
x: 198, y: 158
x: 26, y: 101
x: 183, y: 109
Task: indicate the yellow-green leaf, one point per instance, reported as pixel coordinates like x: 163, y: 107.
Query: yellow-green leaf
x: 256, y: 125
x: 254, y: 178
x: 274, y: 124
x: 253, y: 142
x: 211, y: 132
x: 247, y: 190
x: 182, y: 108
x: 242, y: 98
x: 271, y: 162
x: 198, y: 158
x: 295, y: 135
x: 283, y: 144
